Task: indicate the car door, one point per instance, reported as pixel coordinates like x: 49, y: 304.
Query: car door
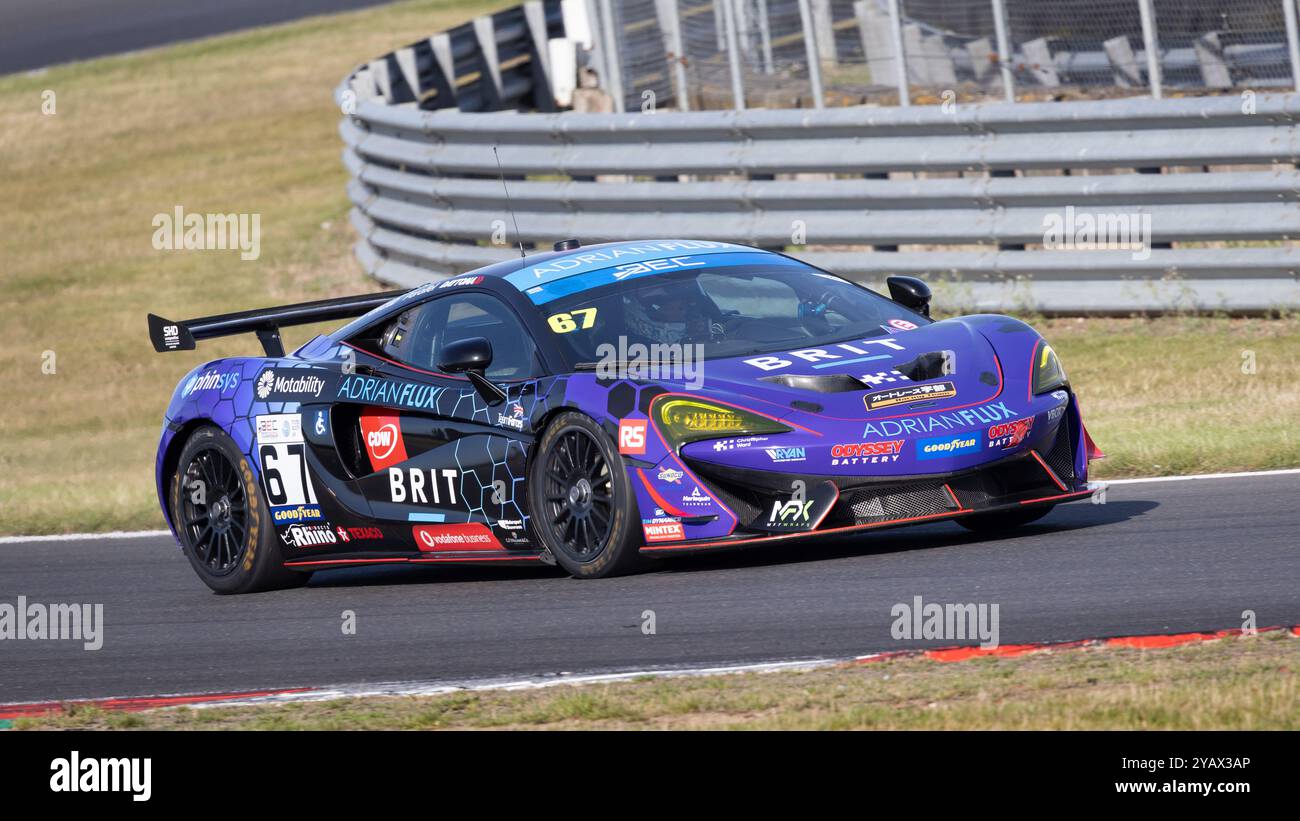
x: 429, y: 450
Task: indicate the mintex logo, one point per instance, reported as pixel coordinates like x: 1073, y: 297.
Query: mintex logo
x: 947, y: 446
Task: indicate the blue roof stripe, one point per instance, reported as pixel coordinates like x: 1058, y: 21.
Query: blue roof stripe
x: 559, y: 288
x: 581, y: 262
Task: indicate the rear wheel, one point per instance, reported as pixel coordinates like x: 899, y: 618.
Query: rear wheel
x: 221, y: 516
x: 1000, y: 520
x: 581, y: 500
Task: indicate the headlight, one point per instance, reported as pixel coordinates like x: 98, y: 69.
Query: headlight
x: 689, y: 420
x: 1048, y: 373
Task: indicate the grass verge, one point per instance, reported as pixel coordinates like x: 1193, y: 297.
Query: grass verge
x: 245, y: 123
x: 1239, y: 683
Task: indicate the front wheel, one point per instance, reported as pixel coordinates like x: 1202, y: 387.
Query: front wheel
x: 222, y: 519
x: 1000, y: 520
x: 581, y: 500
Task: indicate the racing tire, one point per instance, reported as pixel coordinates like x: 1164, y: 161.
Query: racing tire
x: 581, y: 501
x: 222, y: 519
x: 1000, y: 520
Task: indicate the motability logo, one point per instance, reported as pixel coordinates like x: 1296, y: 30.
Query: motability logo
x: 294, y: 387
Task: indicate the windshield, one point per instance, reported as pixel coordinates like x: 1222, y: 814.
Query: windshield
x: 728, y: 311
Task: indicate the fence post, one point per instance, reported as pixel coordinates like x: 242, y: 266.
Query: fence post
x: 810, y: 49
x: 1148, y: 12
x: 765, y: 33
x: 1292, y: 40
x: 670, y: 23
x: 733, y: 55
x: 900, y: 59
x: 1004, y: 50
x: 612, y: 60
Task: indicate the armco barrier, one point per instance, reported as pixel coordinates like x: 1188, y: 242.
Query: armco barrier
x: 966, y: 195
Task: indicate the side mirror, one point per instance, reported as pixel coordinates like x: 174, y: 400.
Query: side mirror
x: 472, y: 357
x: 910, y: 292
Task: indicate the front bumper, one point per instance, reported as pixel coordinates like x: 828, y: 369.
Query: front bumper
x: 1023, y: 479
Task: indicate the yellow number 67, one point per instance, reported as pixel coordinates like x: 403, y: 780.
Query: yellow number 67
x: 564, y: 323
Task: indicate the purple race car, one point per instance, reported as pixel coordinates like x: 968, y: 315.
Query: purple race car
x: 596, y: 406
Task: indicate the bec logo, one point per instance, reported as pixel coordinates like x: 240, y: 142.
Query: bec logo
x: 631, y: 436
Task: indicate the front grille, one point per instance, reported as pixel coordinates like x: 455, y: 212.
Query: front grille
x: 887, y: 502
x: 1060, y: 456
x: 1002, y: 483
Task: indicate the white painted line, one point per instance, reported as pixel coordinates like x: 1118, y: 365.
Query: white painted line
x: 414, y: 688
x: 83, y: 537
x: 1242, y: 475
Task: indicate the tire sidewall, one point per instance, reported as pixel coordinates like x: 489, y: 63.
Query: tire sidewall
x: 621, y: 554
x: 261, y: 564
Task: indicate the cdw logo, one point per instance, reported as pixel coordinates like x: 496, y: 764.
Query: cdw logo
x: 382, y: 441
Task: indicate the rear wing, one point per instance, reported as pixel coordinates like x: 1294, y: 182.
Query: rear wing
x: 167, y: 335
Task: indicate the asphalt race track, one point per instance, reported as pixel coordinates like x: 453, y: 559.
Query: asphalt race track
x: 37, y: 33
x: 1157, y: 557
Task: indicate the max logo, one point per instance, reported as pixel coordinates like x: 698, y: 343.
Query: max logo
x: 794, y: 511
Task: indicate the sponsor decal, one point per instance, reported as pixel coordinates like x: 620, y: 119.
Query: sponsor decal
x: 668, y: 474
x: 1009, y: 434
x: 843, y: 353
x: 510, y: 524
x: 211, y: 381
x: 786, y: 454
x: 300, y: 513
x: 652, y: 265
x: 801, y: 511
x: 592, y: 260
x: 902, y: 324
x: 738, y: 444
x: 309, y: 536
x: 515, y: 421
x: 279, y: 428
x: 913, y: 393
x: 458, y: 281
x: 365, y: 534
x: 171, y: 337
x: 413, y: 486
x: 382, y: 434
x: 288, y: 388
x: 883, y: 378
x: 287, y: 483
x: 854, y: 453
x: 395, y: 392
x: 697, y: 497
x: 929, y: 423
x: 470, y: 536
x: 663, y: 531
x: 631, y: 436
x: 941, y: 446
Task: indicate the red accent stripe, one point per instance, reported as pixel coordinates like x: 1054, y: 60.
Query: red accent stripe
x: 422, y: 560
x: 1142, y: 642
x: 9, y: 711
x: 954, y: 498
x: 786, y: 536
x: 1077, y: 494
x: 1050, y: 472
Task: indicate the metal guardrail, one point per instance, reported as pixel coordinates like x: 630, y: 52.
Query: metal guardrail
x: 969, y: 193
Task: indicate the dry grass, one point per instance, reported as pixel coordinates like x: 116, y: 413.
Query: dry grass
x: 246, y: 123
x: 1246, y: 683
x: 243, y: 123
